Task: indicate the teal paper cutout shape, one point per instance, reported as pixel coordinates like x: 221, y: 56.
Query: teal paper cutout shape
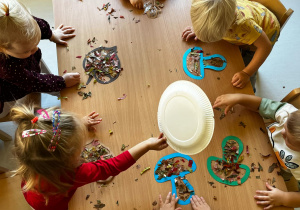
x: 202, y: 66
x: 212, y: 158
x: 181, y: 174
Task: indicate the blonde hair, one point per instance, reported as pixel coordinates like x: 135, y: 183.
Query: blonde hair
x: 211, y: 19
x: 16, y: 24
x: 293, y: 124
x: 37, y: 163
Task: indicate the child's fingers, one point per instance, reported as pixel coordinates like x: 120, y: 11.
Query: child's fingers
x: 263, y: 202
x: 68, y: 36
x: 161, y: 135
x: 203, y: 200
x: 91, y: 114
x: 191, y: 35
x: 168, y: 198
x: 193, y: 203
x: 185, y: 34
x: 160, y: 201
x: 60, y: 26
x: 187, y: 29
x: 261, y: 192
x: 269, y: 187
x: 269, y: 206
x: 94, y: 115
x: 262, y: 198
x: 173, y: 200
x: 228, y: 108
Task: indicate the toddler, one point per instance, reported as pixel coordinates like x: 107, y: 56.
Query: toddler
x: 48, y: 144
x: 240, y: 22
x: 284, y: 136
x: 20, y: 72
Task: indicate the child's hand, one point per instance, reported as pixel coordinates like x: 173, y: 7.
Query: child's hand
x: 189, y: 33
x: 137, y: 3
x: 240, y: 79
x: 159, y: 143
x: 271, y: 198
x: 199, y: 203
x: 90, y: 120
x: 228, y: 100
x: 61, y: 33
x: 168, y: 205
x: 71, y: 79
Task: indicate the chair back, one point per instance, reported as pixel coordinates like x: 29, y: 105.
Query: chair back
x: 293, y: 98
x: 278, y: 10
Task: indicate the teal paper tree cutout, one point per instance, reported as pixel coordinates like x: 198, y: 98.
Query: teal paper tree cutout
x: 212, y: 158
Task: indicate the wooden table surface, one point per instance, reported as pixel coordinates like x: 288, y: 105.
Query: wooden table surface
x: 151, y: 53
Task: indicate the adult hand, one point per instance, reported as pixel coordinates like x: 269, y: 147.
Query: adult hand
x: 189, y: 33
x: 168, y: 204
x: 62, y: 33
x: 90, y: 121
x: 159, y: 143
x: 240, y: 79
x: 71, y: 79
x: 270, y: 198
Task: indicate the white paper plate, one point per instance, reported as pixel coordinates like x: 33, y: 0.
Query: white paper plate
x: 186, y: 117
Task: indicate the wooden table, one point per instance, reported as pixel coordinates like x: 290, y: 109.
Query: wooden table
x: 151, y: 53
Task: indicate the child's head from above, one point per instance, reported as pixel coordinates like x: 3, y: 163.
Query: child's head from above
x: 291, y: 131
x: 19, y: 32
x: 211, y: 19
x: 35, y: 159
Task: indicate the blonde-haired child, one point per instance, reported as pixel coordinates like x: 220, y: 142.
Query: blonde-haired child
x: 240, y: 22
x: 48, y: 144
x: 284, y: 136
x: 20, y: 72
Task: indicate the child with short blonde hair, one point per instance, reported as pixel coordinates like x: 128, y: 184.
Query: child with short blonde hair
x: 284, y: 136
x: 240, y: 22
x: 48, y: 144
x: 20, y: 72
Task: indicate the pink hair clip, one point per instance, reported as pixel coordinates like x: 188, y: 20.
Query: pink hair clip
x: 46, y: 115
x: 32, y: 132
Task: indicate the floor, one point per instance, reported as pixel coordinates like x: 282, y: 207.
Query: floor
x: 276, y: 78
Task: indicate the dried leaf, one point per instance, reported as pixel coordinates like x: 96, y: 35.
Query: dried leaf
x: 121, y: 98
x: 272, y: 167
x: 265, y: 156
x: 110, y: 132
x: 262, y: 130
x: 144, y: 170
x: 154, y: 203
x: 260, y: 168
x: 79, y: 56
x: 87, y: 197
x: 242, y: 124
x: 65, y: 71
x: 257, y: 177
x: 122, y: 17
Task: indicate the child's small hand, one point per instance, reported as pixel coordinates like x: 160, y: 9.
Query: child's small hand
x: 228, y: 100
x: 71, y: 79
x: 137, y: 3
x: 159, y: 143
x: 271, y: 198
x: 199, y: 203
x: 61, y: 33
x: 90, y: 120
x: 168, y: 204
x: 240, y: 79
x: 189, y: 33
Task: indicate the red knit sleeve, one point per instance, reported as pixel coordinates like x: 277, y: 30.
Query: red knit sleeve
x: 102, y: 169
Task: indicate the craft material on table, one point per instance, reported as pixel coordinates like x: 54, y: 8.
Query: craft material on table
x: 194, y: 63
x: 186, y: 117
x: 102, y: 64
x: 229, y: 170
x: 178, y: 166
x: 152, y: 8
x: 95, y: 151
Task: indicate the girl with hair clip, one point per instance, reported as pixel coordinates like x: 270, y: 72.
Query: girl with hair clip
x: 240, y: 22
x: 48, y: 144
x: 284, y: 135
x: 20, y: 72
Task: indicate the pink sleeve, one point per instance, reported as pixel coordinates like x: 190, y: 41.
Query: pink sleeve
x: 102, y: 169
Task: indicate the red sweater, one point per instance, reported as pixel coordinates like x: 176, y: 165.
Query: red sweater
x: 85, y: 174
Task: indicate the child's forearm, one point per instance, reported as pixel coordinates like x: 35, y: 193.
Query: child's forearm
x: 139, y: 150
x: 291, y: 199
x: 251, y: 102
x: 264, y: 47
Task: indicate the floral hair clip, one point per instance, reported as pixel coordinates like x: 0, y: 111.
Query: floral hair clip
x: 56, y: 131
x: 32, y: 132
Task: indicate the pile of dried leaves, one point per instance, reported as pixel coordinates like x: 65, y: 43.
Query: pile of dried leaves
x: 229, y: 169
x: 95, y: 152
x: 183, y: 191
x: 173, y: 166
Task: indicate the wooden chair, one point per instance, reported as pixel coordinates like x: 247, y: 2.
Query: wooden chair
x: 278, y: 10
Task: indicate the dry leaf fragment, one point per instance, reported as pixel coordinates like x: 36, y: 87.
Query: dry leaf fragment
x: 79, y: 56
x: 272, y: 167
